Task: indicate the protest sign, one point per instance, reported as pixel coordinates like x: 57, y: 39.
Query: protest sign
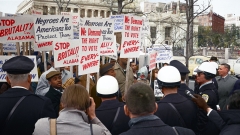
x: 54, y: 27
x: 131, y: 37
x: 37, y: 12
x: 16, y: 29
x: 9, y: 47
x: 165, y: 53
x: 118, y: 22
x: 3, y: 74
x: 108, y: 46
x: 145, y: 27
x: 90, y: 41
x: 75, y: 22
x: 114, y: 56
x: 10, y: 15
x: 43, y: 46
x: 152, y: 62
x: 66, y: 53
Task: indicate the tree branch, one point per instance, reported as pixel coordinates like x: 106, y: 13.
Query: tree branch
x: 131, y: 1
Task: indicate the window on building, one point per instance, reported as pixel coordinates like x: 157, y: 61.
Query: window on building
x: 45, y: 10
x: 167, y: 32
x: 53, y: 10
x: 153, y: 31
x: 75, y: 10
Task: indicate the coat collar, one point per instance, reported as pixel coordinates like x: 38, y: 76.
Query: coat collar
x: 109, y: 104
x: 173, y: 98
x: 16, y: 92
x: 71, y: 114
x: 149, y: 123
x: 209, y: 86
x: 183, y: 87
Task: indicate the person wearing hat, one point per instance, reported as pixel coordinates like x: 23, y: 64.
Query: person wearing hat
x: 43, y: 85
x: 205, y: 73
x: 140, y: 107
x: 107, y: 69
x: 20, y: 108
x: 55, y: 90
x: 175, y: 109
x: 213, y: 59
x: 116, y: 121
x: 184, y: 72
x: 143, y: 75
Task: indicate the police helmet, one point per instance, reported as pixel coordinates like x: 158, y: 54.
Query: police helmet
x: 169, y: 76
x: 107, y: 87
x: 208, y: 70
x: 214, y: 64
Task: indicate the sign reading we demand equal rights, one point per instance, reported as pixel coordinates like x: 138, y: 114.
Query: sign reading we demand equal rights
x: 131, y: 36
x: 90, y: 41
x: 54, y: 27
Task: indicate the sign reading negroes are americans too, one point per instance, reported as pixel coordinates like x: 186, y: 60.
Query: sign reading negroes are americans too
x: 54, y: 27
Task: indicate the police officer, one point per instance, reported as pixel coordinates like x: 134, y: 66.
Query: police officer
x: 20, y: 108
x: 183, y: 71
x: 111, y: 112
x: 175, y: 109
x: 205, y: 73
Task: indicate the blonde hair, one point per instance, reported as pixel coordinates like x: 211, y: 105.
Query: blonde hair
x: 76, y: 96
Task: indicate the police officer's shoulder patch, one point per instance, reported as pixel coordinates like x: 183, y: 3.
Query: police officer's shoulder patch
x: 205, y: 97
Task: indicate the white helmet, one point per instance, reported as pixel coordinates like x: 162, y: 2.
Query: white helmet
x: 107, y: 86
x: 214, y: 64
x: 207, y: 67
x: 169, y: 76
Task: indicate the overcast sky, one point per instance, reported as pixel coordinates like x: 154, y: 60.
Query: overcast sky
x: 221, y: 7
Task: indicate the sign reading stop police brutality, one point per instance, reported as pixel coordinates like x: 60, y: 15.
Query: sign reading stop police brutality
x: 16, y: 29
x: 90, y: 40
x: 66, y: 53
x: 152, y: 62
x: 131, y: 37
x: 3, y: 74
x: 108, y: 47
x: 49, y: 28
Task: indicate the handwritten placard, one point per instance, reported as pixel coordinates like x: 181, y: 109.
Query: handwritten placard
x: 54, y: 27
x: 43, y: 46
x: 16, y: 29
x: 131, y: 37
x: 108, y: 46
x: 9, y: 47
x: 118, y: 22
x: 37, y: 12
x: 90, y: 41
x: 66, y: 53
x: 75, y: 22
x: 3, y: 74
x: 165, y: 53
x: 152, y: 62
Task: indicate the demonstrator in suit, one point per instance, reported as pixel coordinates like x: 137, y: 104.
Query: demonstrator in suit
x: 20, y: 108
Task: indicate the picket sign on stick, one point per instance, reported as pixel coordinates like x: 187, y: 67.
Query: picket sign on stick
x: 23, y: 45
x: 1, y: 48
x: 26, y: 48
x: 88, y: 82
x: 127, y: 76
x: 44, y: 60
x: 18, y: 48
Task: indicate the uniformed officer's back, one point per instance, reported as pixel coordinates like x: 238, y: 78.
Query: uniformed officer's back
x: 111, y: 112
x: 20, y: 109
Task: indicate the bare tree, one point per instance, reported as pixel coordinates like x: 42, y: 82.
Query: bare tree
x: 62, y: 5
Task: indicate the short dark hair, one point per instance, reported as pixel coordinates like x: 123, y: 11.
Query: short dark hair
x: 226, y: 66
x: 234, y: 102
x: 183, y: 77
x: 140, y: 99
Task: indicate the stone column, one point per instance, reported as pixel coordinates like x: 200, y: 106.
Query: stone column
x: 72, y: 9
x: 204, y: 51
x: 99, y: 11
x: 49, y: 10
x: 56, y: 8
x: 93, y: 13
x: 105, y: 14
x: 86, y: 10
x: 227, y: 53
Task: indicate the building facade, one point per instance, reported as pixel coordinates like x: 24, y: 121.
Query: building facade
x: 232, y: 19
x: 212, y: 20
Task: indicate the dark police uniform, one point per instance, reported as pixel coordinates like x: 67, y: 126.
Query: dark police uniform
x: 183, y: 71
x: 155, y: 127
x: 209, y: 93
x: 29, y: 110
x: 185, y: 107
x: 106, y: 113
